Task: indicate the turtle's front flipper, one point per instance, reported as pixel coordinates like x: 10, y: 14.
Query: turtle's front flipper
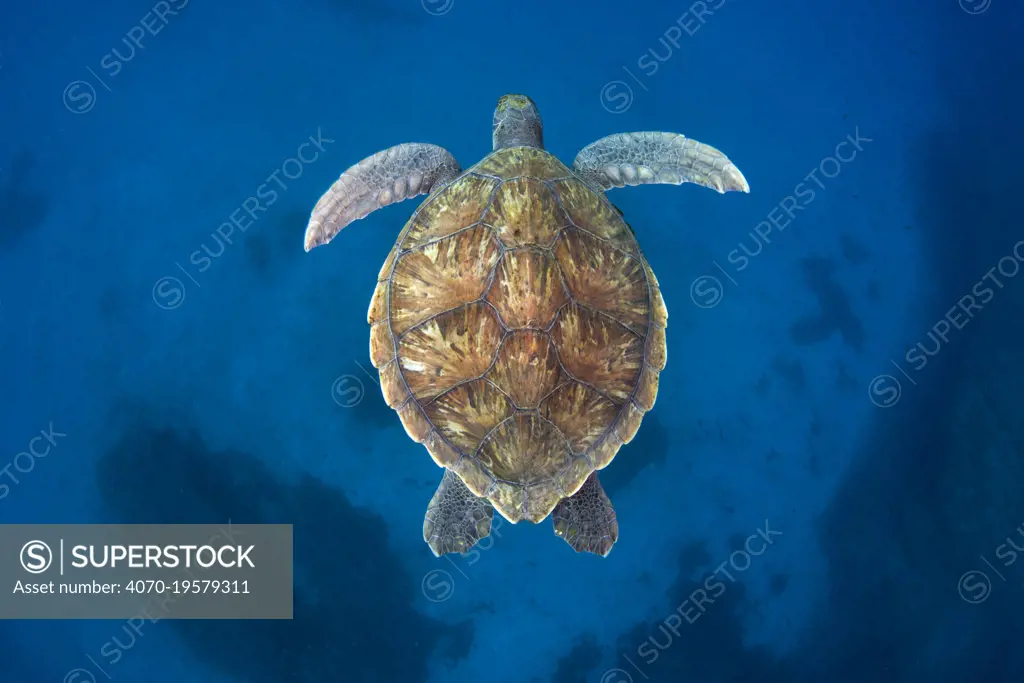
x: 456, y: 519
x: 386, y: 177
x: 586, y: 520
x: 662, y: 158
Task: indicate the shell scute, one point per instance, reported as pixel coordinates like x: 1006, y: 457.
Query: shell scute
x: 527, y: 290
x: 467, y: 413
x: 455, y: 207
x: 519, y: 331
x: 449, y: 349
x: 604, y: 278
x: 594, y: 214
x: 527, y: 368
x: 599, y: 351
x: 442, y: 275
x: 525, y: 212
x: 523, y: 161
x: 582, y: 414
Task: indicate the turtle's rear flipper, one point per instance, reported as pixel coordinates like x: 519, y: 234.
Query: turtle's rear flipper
x: 456, y: 519
x: 586, y: 520
x: 661, y: 158
x: 387, y: 177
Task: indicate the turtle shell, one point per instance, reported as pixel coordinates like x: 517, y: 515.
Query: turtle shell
x: 518, y: 330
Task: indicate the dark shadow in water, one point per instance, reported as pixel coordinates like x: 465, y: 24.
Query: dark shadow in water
x: 835, y: 314
x: 792, y: 372
x: 710, y: 649
x: 897, y: 536
x: 372, y: 410
x: 23, y: 208
x: 354, y: 617
x: 929, y: 492
x: 576, y: 666
x: 273, y: 245
x: 854, y: 252
x: 649, y: 447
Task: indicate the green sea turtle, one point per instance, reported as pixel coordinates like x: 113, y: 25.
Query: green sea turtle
x: 517, y: 327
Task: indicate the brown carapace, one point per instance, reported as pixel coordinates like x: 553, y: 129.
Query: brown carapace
x: 519, y: 331
x: 517, y: 327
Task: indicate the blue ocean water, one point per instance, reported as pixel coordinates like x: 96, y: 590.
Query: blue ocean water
x: 829, y: 485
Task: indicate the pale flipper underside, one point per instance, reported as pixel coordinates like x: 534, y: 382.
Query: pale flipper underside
x: 387, y: 177
x: 661, y: 158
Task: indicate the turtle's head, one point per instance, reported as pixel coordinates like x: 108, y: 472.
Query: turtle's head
x: 516, y: 123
